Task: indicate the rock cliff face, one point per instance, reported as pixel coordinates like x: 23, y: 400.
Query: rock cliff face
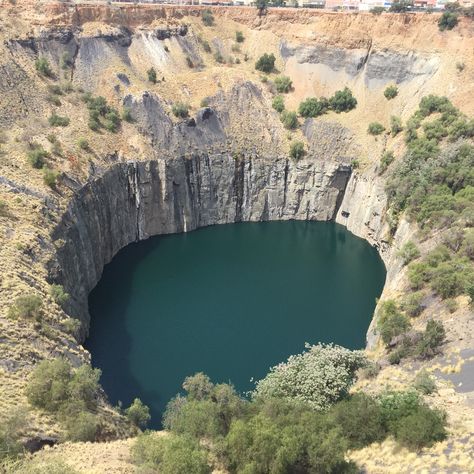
x: 134, y: 200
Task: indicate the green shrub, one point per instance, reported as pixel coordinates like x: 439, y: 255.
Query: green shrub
x: 412, y: 305
x: 58, y: 121
x: 395, y: 125
x: 13, y: 425
x: 138, y: 413
x: 127, y: 114
x: 283, y: 84
x: 72, y: 325
x: 26, y: 307
x: 180, y: 109
x: 361, y: 420
x: 343, y: 101
x: 83, y: 144
x: 391, y: 322
x: 54, y: 89
x: 421, y: 429
x: 377, y: 10
x: 205, y: 45
x: 289, y: 119
x: 218, y: 58
x: 418, y: 274
x: 151, y: 73
x: 447, y: 21
x: 278, y: 103
x: 170, y: 454
x: 82, y: 426
x: 408, y: 252
x: 424, y: 383
x: 43, y: 67
x: 375, y: 128
x: 50, y: 177
x: 266, y: 63
x: 297, y: 150
x: 207, y: 17
x: 239, y: 37
x: 37, y: 157
x: 58, y: 294
x: 330, y: 368
x: 4, y: 211
x: 433, y: 337
x: 390, y: 92
x: 312, y: 107
x: 53, y: 385
x: 385, y: 161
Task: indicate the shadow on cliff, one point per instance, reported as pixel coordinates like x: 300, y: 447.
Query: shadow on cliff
x: 108, y: 307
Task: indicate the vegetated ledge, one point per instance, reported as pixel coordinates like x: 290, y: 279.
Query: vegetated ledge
x: 134, y: 200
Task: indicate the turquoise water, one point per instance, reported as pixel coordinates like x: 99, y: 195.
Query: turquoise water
x: 230, y: 301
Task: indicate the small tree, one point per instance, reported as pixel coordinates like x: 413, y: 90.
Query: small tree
x: 390, y: 92
x: 375, y: 128
x: 343, y: 101
x: 408, y: 252
x: 266, y: 63
x: 37, y: 157
x: 26, y: 307
x: 58, y: 294
x: 151, y: 73
x: 50, y: 177
x: 138, y: 413
x: 395, y: 125
x: 447, y: 21
x: 297, y: 150
x: 391, y: 322
x: 180, y: 109
x: 289, y: 120
x: 283, y: 84
x: 386, y: 160
x: 83, y: 144
x: 424, y: 382
x: 312, y: 107
x: 56, y: 120
x: 43, y: 67
x: 433, y: 337
x: 239, y: 37
x: 278, y: 103
x: 127, y: 114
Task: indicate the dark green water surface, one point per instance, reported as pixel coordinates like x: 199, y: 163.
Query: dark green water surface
x: 230, y: 301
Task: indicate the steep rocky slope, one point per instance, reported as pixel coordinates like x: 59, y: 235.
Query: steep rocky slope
x: 227, y: 162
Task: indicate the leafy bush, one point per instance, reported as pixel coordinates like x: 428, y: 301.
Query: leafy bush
x: 58, y: 121
x: 289, y: 119
x: 447, y: 21
x: 361, y: 419
x: 424, y: 383
x: 408, y: 252
x: 50, y: 177
x: 127, y: 114
x: 412, y: 422
x: 391, y: 322
x: 395, y: 125
x: 37, y: 157
x: 138, y: 413
x: 207, y: 18
x: 219, y: 58
x: 43, y: 67
x: 433, y: 337
x: 83, y: 144
x: 390, y: 92
x: 26, y: 307
x: 297, y: 150
x: 239, y: 37
x: 320, y: 376
x: 375, y: 128
x: 385, y: 161
x: 266, y: 63
x: 53, y: 385
x: 411, y: 304
x: 151, y: 73
x: 343, y: 101
x: 180, y: 109
x: 278, y: 103
x: 283, y: 84
x: 312, y: 107
x: 82, y: 426
x: 170, y: 454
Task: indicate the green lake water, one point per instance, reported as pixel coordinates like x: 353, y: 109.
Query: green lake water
x: 230, y: 301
